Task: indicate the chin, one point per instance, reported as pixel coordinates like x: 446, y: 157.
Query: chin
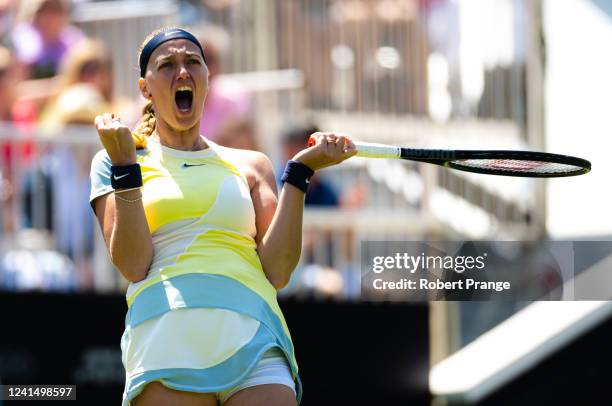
x: 182, y: 125
x: 185, y: 119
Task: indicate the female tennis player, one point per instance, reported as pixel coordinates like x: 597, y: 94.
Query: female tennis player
x: 199, y: 232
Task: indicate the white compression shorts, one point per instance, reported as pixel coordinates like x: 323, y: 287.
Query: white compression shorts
x: 272, y: 368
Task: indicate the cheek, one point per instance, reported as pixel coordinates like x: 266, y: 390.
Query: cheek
x: 202, y: 81
x: 159, y: 86
x: 202, y: 84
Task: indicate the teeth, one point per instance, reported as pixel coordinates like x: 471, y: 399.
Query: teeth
x: 185, y: 88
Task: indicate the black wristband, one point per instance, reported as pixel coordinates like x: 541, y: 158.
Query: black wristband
x: 126, y: 177
x: 298, y: 175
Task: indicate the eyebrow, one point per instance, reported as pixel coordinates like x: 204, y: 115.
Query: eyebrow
x: 163, y: 58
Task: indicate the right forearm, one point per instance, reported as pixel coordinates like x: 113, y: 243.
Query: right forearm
x: 131, y: 245
x: 124, y: 222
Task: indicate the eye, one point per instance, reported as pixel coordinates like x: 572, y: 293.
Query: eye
x: 194, y: 61
x: 165, y: 65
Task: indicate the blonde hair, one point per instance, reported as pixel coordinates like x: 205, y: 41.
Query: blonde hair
x: 84, y: 52
x: 29, y: 8
x: 145, y: 126
x: 75, y: 100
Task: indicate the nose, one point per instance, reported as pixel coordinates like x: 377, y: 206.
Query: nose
x: 183, y: 73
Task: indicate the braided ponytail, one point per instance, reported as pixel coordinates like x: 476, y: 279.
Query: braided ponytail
x: 145, y: 126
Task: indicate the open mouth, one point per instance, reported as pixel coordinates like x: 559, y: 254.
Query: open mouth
x: 184, y: 98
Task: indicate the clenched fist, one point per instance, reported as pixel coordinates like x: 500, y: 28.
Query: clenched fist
x: 327, y: 149
x: 116, y: 139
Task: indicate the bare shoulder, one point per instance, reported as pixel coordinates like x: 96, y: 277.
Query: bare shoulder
x: 254, y: 164
x: 253, y: 158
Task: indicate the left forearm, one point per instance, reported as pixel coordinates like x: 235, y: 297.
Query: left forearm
x: 280, y: 223
x: 280, y: 248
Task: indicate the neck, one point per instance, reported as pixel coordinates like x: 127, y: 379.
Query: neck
x: 187, y: 140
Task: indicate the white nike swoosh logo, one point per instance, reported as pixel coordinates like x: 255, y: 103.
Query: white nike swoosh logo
x: 119, y: 177
x: 170, y: 33
x: 307, y: 180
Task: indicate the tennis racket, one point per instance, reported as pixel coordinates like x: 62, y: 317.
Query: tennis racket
x: 491, y: 162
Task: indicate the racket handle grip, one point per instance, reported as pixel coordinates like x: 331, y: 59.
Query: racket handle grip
x: 373, y: 150
x: 370, y: 149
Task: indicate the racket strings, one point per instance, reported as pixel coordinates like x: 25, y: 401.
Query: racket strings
x: 515, y: 165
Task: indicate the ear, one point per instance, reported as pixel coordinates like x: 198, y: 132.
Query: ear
x: 142, y: 84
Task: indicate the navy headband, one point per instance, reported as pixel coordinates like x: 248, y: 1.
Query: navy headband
x: 164, y: 36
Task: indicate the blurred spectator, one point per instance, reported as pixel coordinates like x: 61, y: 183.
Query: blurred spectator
x: 44, y: 35
x: 85, y: 86
x: 60, y: 179
x: 8, y: 80
x: 32, y: 265
x: 239, y: 133
x: 226, y: 100
x: 320, y: 192
x: 7, y: 17
x: 55, y: 199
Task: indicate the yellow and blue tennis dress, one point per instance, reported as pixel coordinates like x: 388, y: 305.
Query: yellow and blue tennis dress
x: 206, y: 313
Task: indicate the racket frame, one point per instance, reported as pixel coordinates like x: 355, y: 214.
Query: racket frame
x: 446, y: 158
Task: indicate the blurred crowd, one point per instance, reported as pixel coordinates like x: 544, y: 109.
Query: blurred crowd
x: 51, y: 76
x: 55, y: 79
